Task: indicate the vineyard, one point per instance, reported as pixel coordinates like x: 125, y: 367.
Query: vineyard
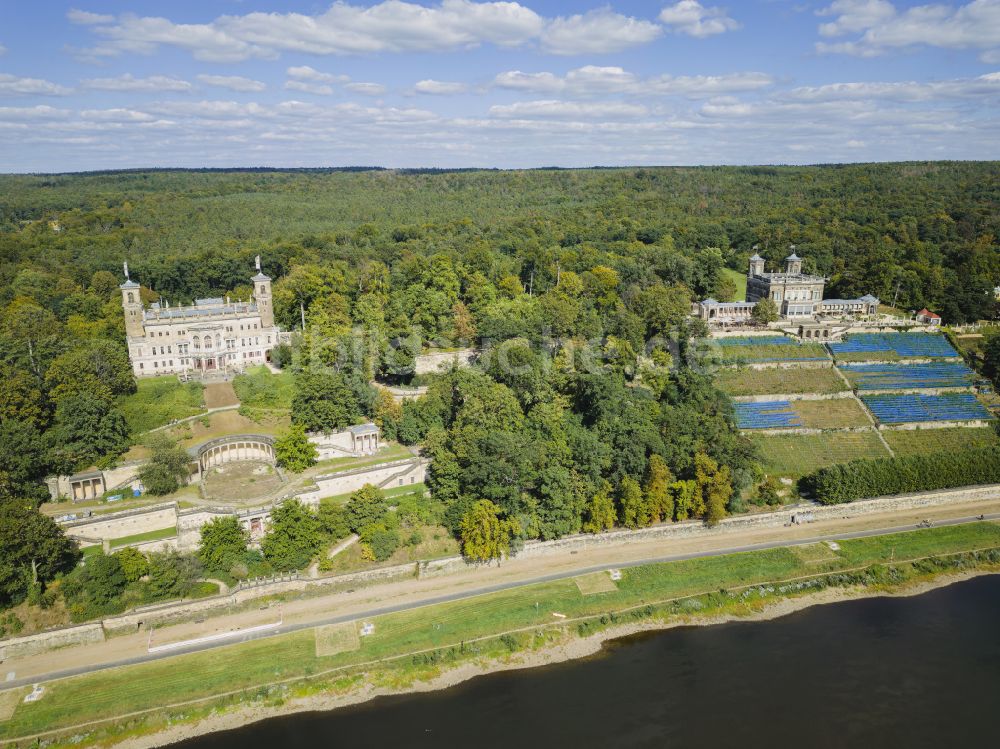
x: 908, y: 376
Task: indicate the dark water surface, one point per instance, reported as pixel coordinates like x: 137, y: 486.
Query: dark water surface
x: 882, y: 672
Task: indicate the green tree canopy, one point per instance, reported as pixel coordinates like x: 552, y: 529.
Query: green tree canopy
x: 32, y: 546
x: 485, y: 536
x: 223, y: 544
x: 293, y: 538
x: 294, y: 451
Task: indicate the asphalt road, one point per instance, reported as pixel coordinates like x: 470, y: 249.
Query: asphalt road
x: 149, y: 657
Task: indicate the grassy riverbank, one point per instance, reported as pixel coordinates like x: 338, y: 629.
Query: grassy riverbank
x: 413, y: 647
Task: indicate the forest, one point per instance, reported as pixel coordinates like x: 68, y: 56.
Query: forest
x: 589, y: 413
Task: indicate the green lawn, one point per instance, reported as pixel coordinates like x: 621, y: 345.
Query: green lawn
x: 259, y: 388
x: 393, y: 451
x: 248, y: 665
x: 138, y: 538
x: 740, y: 279
x: 396, y: 491
x: 795, y: 455
x: 779, y: 381
x: 160, y: 400
x: 924, y: 441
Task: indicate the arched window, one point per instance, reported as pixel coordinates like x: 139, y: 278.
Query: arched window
x: 208, y: 342
x: 196, y: 342
x: 131, y: 298
x: 218, y: 341
x: 262, y: 289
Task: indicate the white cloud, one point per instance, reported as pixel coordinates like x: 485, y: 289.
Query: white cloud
x: 368, y: 89
x: 902, y: 91
x: 855, y: 15
x: 536, y: 82
x: 597, y: 32
x: 128, y: 82
x: 116, y: 115
x: 318, y: 89
x: 15, y: 86
x: 233, y: 83
x: 694, y: 19
x: 592, y: 80
x: 85, y: 18
x: 306, y: 73
x: 40, y: 112
x: 388, y: 26
x: 883, y: 27
x: 555, y: 109
x: 441, y: 88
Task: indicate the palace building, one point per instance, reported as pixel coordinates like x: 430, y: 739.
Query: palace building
x: 211, y: 335
x: 797, y: 295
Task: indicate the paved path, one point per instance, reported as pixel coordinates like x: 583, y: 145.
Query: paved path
x: 464, y: 594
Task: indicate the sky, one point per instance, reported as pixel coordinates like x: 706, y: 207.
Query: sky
x: 98, y: 84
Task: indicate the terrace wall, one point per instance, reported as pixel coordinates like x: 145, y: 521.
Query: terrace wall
x: 124, y: 523
x: 791, y: 397
x: 169, y: 612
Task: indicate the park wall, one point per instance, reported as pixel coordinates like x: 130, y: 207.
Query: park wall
x: 431, y: 363
x: 22, y: 647
x: 162, y: 614
x: 125, y: 523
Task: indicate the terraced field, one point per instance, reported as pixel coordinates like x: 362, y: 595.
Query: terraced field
x: 908, y: 376
x: 781, y: 381
x: 795, y: 455
x: 891, y: 346
x: 837, y: 413
x: 924, y: 441
x: 764, y: 349
x: 906, y: 409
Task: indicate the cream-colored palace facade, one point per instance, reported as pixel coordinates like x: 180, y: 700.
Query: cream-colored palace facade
x: 211, y: 335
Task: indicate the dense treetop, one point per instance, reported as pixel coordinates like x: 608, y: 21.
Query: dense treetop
x: 930, y: 227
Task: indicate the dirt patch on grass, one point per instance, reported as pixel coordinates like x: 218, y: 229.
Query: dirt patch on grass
x: 337, y: 638
x: 598, y: 582
x: 9, y: 701
x: 220, y: 394
x: 227, y: 422
x: 815, y: 553
x: 235, y: 482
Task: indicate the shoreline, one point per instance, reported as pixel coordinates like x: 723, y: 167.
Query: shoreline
x: 576, y: 648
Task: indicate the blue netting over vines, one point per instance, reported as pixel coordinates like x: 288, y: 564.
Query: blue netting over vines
x: 907, y: 376
x: 902, y: 409
x: 906, y: 345
x: 767, y: 415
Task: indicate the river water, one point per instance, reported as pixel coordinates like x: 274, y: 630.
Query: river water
x: 881, y: 672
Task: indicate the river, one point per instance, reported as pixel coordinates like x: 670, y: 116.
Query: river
x: 910, y: 672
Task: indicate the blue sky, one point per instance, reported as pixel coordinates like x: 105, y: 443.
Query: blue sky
x: 449, y: 83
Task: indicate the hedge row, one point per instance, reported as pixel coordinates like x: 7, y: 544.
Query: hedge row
x: 860, y: 479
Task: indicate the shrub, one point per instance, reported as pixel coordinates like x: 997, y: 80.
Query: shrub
x: 860, y: 479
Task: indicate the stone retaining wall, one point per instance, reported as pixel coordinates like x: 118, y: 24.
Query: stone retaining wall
x: 792, y: 397
x: 166, y: 613
x: 125, y: 523
x: 21, y: 647
x: 431, y: 363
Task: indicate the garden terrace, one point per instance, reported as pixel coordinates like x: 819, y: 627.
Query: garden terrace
x: 835, y: 413
x: 908, y: 376
x: 779, y: 381
x: 767, y: 415
x: 795, y: 455
x: 928, y: 441
x: 766, y: 349
x: 904, y: 409
x: 892, y: 346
